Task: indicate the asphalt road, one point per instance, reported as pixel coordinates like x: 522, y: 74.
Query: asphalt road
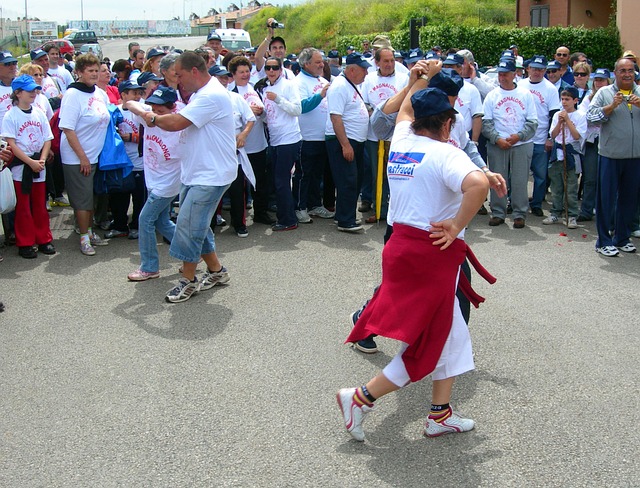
x: 103, y: 384
x: 117, y: 48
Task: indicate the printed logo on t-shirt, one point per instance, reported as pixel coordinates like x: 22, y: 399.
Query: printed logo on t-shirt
x: 402, y: 165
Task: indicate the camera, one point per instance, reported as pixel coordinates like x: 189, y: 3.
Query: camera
x: 3, y: 144
x: 276, y: 25
x: 626, y: 98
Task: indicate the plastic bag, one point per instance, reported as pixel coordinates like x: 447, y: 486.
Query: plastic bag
x: 7, y: 192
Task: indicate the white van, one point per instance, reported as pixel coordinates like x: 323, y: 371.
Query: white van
x: 234, y: 39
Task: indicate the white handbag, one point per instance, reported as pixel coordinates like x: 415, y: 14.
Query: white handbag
x: 7, y: 192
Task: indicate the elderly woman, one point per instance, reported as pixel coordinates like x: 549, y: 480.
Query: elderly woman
x: 84, y: 120
x: 435, y: 192
x: 168, y: 72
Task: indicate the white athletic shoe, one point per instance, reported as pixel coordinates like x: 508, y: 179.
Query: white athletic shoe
x: 352, y: 413
x: 452, y: 425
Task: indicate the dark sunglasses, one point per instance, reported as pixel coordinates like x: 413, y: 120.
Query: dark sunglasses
x: 271, y: 68
x: 13, y: 63
x: 562, y: 55
x: 580, y: 74
x: 552, y: 71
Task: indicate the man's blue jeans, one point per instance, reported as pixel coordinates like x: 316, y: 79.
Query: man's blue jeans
x: 539, y: 167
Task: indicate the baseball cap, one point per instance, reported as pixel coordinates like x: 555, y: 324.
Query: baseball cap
x: 448, y: 80
x: 538, y: 61
x: 431, y: 55
x: 129, y: 85
x: 213, y: 37
x: 356, y: 58
x: 217, y: 70
x: 453, y: 59
x: 414, y: 56
x: 147, y: 76
x: 7, y: 57
x: 603, y: 73
x: 430, y: 101
x: 162, y: 95
x: 507, y: 54
x: 333, y: 54
x: 37, y: 54
x: 573, y: 90
x: 505, y: 65
x: 24, y: 82
x: 381, y: 42
x: 292, y: 57
x: 153, y: 52
x: 554, y: 65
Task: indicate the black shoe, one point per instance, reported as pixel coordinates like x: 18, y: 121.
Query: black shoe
x: 537, y: 211
x: 282, y: 227
x: 582, y: 218
x: 264, y: 218
x: 483, y: 210
x: 518, y: 223
x: 242, y: 231
x: 367, y: 346
x: 27, y: 252
x: 495, y: 221
x: 47, y: 248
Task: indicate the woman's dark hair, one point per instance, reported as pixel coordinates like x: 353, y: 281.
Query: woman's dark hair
x: 236, y: 62
x: 272, y: 58
x: 14, y: 97
x: 228, y: 57
x: 434, y: 123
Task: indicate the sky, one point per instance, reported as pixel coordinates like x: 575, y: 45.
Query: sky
x: 116, y: 9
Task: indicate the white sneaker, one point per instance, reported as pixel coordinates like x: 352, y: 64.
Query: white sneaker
x: 322, y: 212
x: 452, y: 425
x: 635, y: 233
x: 609, y: 251
x: 97, y: 241
x: 352, y: 413
x: 48, y: 205
x: 551, y: 219
x: 628, y: 247
x: 209, y: 279
x: 303, y: 217
x: 87, y: 249
x: 572, y: 224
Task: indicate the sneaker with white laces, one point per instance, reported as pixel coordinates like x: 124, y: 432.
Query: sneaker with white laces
x: 213, y: 278
x: 97, y: 241
x: 322, y: 212
x: 551, y: 219
x: 87, y: 249
x: 609, y: 251
x: 183, y: 291
x: 352, y: 413
x: 628, y: 247
x: 572, y: 224
x: 303, y: 217
x: 452, y: 425
x: 139, y: 275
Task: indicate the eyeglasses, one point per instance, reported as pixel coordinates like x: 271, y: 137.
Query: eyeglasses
x: 580, y: 74
x: 13, y: 63
x: 562, y: 55
x: 552, y: 71
x: 271, y: 68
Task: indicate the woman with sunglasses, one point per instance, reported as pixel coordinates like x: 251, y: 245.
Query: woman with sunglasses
x: 41, y: 101
x: 581, y: 74
x: 282, y: 106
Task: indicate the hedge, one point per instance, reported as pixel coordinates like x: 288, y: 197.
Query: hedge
x: 601, y: 45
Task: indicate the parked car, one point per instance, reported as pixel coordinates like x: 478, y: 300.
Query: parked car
x: 65, y: 46
x: 92, y: 48
x: 78, y: 38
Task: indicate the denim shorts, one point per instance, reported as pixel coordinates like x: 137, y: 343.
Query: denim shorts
x: 193, y: 236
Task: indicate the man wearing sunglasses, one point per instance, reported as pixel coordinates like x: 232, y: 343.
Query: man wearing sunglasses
x: 554, y: 75
x: 562, y: 56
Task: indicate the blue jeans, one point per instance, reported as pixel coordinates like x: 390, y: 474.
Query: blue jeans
x: 154, y: 216
x: 589, y: 178
x: 193, y: 236
x: 347, y: 176
x: 284, y: 159
x: 539, y: 165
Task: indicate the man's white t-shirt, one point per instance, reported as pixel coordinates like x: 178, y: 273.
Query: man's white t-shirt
x: 62, y: 76
x: 509, y: 110
x: 376, y: 89
x: 30, y: 131
x: 425, y: 179
x: 256, y: 140
x: 546, y: 98
x: 43, y: 104
x: 88, y: 116
x: 5, y: 100
x: 469, y: 103
x: 209, y: 144
x: 312, y: 123
x: 344, y: 100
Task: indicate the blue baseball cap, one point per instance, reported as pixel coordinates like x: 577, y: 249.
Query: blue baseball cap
x: 553, y: 65
x: 147, y: 76
x: 414, y: 56
x: 26, y: 83
x: 538, y: 61
x: 37, y: 54
x: 448, y: 80
x: 431, y: 55
x: 217, y: 70
x: 573, y: 90
x: 154, y: 51
x: 453, y: 59
x: 602, y: 73
x: 162, y: 95
x: 507, y: 54
x: 128, y: 85
x: 506, y: 65
x: 358, y: 59
x: 430, y: 101
x: 7, y: 57
x: 333, y: 54
x: 213, y: 37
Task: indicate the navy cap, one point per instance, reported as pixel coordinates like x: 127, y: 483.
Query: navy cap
x: 251, y: 50
x: 129, y: 85
x: 37, y: 54
x: 506, y: 65
x: 162, y: 95
x: 366, y: 55
x: 414, y: 56
x: 431, y: 55
x: 154, y: 51
x: 217, y: 70
x: 507, y: 54
x: 25, y: 82
x: 538, y: 61
x: 430, y: 101
x: 513, y: 46
x: 554, y: 65
x: 453, y: 59
x: 213, y: 37
x: 602, y: 73
x: 292, y: 57
x: 351, y: 48
x: 448, y: 80
x: 7, y: 57
x: 573, y: 90
x: 356, y: 58
x: 333, y: 54
x: 147, y: 76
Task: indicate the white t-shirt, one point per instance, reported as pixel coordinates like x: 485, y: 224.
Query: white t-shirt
x: 162, y: 160
x: 469, y: 103
x: 425, y: 179
x: 459, y: 137
x: 376, y: 89
x: 5, y: 100
x: 62, y: 76
x: 43, y: 104
x: 131, y: 126
x: 312, y: 123
x: 209, y: 151
x: 509, y: 109
x: 256, y: 140
x: 241, y: 112
x: 579, y: 121
x: 546, y: 98
x: 88, y: 116
x: 593, y: 130
x: 30, y: 131
x: 400, y: 68
x: 343, y: 99
x: 49, y: 87
x: 282, y: 118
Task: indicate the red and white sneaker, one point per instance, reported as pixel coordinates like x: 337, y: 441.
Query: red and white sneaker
x: 452, y: 425
x: 352, y: 412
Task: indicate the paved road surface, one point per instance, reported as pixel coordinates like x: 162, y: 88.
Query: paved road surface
x: 117, y: 48
x: 103, y: 384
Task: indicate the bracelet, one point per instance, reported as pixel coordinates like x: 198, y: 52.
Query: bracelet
x: 485, y: 170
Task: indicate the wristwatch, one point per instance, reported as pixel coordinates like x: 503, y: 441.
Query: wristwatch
x: 152, y: 119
